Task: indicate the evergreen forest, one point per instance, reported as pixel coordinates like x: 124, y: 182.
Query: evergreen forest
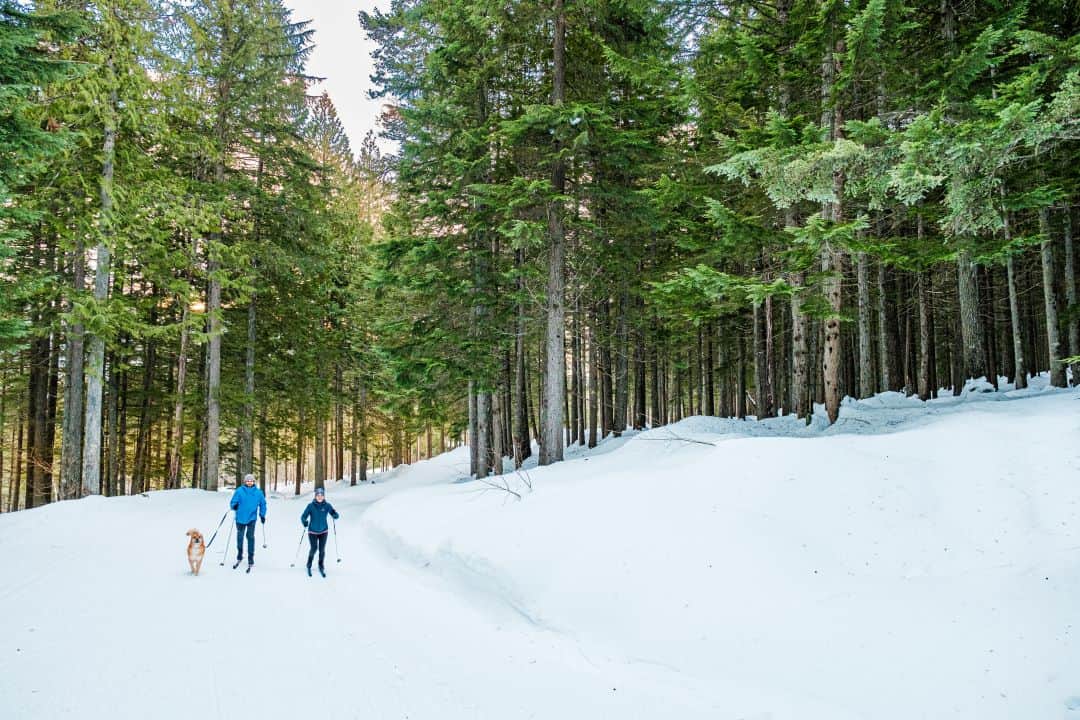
x: 600, y: 215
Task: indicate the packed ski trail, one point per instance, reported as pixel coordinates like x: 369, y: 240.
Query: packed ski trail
x: 908, y: 563
x: 101, y: 593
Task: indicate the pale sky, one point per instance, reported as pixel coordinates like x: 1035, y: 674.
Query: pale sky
x: 342, y: 56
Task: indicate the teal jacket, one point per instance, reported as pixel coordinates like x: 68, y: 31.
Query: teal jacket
x: 314, y: 517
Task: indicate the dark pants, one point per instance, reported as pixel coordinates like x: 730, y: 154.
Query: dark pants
x: 250, y: 529
x: 317, y: 540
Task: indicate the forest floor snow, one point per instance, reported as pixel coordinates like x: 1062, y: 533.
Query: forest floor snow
x: 916, y: 560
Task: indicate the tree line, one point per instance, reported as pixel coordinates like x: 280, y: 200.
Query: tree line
x: 603, y: 215
x: 617, y: 214
x: 185, y: 232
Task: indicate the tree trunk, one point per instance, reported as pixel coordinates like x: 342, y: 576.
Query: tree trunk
x: 320, y: 450
x: 555, y: 379
x: 497, y: 449
x: 35, y: 424
x: 932, y: 335
x: 740, y: 385
x: 573, y: 389
x: 970, y: 320
x: 710, y: 369
x: 831, y: 266
x: 725, y: 374
x: 594, y: 386
x: 522, y: 438
x: 1020, y: 372
x: 483, y: 428
x: 262, y: 454
x: 579, y: 375
x: 762, y: 381
x: 507, y: 390
x: 16, y: 462
x: 1053, y: 333
x: 50, y: 415
x: 120, y: 485
x: 989, y: 326
x: 866, y: 367
x: 211, y: 457
x: 247, y: 438
x: 363, y: 432
x: 800, y: 381
x: 91, y: 455
x: 639, y: 381
x: 474, y: 458
x: 178, y: 407
x: 339, y: 424
x: 1032, y: 344
x: 622, y: 369
x: 112, y: 461
x: 213, y: 269
x: 691, y: 381
x: 677, y: 397
x: 353, y: 435
x: 142, y: 438
x: 522, y: 444
x: 886, y: 337
x: 910, y: 348
x: 299, y: 474
x: 1072, y: 308
x: 770, y: 360
x: 71, y: 447
x: 3, y: 427
x: 831, y: 259
x: 654, y: 381
x: 606, y: 406
x: 923, y: 282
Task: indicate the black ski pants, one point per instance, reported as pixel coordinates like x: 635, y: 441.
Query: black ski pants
x: 317, y: 540
x: 249, y: 530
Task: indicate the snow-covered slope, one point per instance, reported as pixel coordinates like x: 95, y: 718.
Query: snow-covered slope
x: 918, y: 560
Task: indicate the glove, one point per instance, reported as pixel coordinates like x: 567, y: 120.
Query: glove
x: 262, y: 519
x: 304, y: 524
x: 233, y: 507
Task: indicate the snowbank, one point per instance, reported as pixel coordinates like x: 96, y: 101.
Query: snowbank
x: 916, y: 560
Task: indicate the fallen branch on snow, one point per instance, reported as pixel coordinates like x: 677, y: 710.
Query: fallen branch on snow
x: 504, y: 486
x: 680, y: 438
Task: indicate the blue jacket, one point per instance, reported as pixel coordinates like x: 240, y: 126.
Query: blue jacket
x: 245, y: 501
x: 314, y: 517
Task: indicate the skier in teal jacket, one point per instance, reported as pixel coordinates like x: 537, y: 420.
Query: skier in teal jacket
x: 314, y: 519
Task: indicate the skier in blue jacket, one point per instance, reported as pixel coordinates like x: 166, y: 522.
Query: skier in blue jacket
x: 314, y: 519
x: 247, y: 501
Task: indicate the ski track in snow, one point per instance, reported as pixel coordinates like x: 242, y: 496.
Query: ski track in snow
x: 781, y: 572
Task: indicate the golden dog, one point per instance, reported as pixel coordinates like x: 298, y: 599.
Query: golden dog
x: 195, y: 550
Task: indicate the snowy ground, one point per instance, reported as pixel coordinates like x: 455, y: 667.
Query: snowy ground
x: 914, y: 561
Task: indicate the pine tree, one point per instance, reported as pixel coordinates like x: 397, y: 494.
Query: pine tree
x: 28, y: 137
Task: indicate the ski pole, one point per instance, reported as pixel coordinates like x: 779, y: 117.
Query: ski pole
x: 227, y: 538
x: 335, y: 540
x: 298, y: 544
x: 216, y: 530
x: 263, y: 523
